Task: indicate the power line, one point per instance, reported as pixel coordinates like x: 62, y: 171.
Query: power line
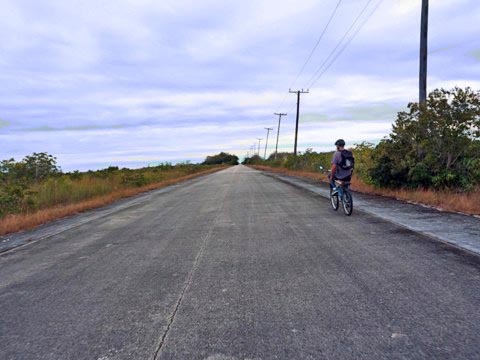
x: 319, y: 73
x: 313, y: 50
x: 336, y: 47
x: 316, y: 44
x: 348, y: 42
x: 341, y: 40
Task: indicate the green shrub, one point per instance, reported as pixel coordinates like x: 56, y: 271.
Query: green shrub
x: 432, y: 145
x: 11, y: 199
x: 135, y: 180
x: 22, y: 190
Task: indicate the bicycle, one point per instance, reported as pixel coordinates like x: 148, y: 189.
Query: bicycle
x: 343, y: 194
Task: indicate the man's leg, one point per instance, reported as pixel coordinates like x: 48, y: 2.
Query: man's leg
x: 332, y: 184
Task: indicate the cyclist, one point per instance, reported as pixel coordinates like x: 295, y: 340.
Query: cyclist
x: 342, y: 164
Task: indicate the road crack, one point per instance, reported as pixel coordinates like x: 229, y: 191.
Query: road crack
x: 184, y: 290
x: 189, y: 280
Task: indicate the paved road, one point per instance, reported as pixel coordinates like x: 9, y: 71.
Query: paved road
x: 459, y: 230
x: 238, y: 265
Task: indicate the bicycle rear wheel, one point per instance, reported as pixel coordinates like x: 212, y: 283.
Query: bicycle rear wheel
x: 347, y: 203
x: 334, y: 200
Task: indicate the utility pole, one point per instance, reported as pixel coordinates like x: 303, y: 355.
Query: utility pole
x: 254, y: 149
x: 258, y: 149
x: 298, y: 92
x: 278, y: 131
x: 266, y: 143
x: 423, y: 53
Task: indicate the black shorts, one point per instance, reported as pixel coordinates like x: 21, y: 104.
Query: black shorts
x: 348, y: 178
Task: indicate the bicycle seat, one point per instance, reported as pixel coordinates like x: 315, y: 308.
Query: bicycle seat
x: 342, y: 183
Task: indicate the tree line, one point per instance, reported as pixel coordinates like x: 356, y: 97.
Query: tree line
x: 432, y: 145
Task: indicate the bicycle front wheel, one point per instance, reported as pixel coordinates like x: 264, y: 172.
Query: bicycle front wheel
x: 347, y: 203
x: 334, y: 200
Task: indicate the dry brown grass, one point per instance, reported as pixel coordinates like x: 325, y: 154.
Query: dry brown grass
x: 18, y: 222
x: 466, y: 203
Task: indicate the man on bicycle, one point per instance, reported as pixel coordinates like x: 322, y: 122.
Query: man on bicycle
x: 342, y: 164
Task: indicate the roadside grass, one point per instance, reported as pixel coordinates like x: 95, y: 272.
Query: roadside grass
x: 57, y: 198
x: 466, y: 203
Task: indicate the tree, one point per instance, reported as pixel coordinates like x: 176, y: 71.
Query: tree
x: 12, y: 171
x: 253, y: 160
x: 40, y: 165
x: 432, y: 144
x: 222, y: 158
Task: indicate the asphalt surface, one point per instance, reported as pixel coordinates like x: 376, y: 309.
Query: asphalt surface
x: 459, y: 230
x: 238, y: 265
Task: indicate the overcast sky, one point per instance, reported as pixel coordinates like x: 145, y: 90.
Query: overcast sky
x: 137, y: 82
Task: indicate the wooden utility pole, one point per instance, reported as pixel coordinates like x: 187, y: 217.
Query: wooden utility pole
x: 278, y: 131
x: 258, y: 149
x: 266, y: 143
x: 298, y: 92
x: 423, y: 53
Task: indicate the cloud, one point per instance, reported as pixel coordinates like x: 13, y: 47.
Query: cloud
x: 4, y: 123
x: 442, y: 49
x: 475, y: 54
x: 374, y: 112
x: 128, y: 81
x: 68, y: 128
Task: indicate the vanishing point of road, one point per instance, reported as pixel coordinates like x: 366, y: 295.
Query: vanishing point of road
x: 238, y: 265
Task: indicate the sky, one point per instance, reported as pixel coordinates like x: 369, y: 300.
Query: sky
x: 132, y: 83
